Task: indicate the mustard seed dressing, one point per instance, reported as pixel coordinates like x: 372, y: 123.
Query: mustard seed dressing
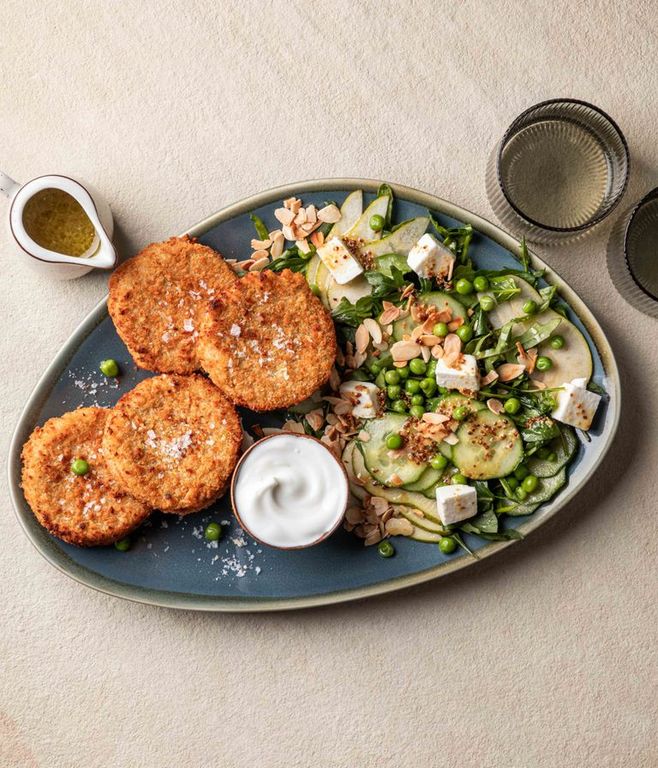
x: 55, y: 220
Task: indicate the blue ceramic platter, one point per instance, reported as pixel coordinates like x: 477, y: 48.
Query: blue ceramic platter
x: 170, y: 563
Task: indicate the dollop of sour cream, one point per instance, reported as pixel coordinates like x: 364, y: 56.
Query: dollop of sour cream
x: 289, y: 491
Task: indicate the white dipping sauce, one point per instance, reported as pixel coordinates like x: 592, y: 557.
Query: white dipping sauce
x: 289, y: 491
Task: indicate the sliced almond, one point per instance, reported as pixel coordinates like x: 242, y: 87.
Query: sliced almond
x: 260, y: 245
x: 435, y: 418
x: 271, y: 431
x: 289, y: 233
x: 405, y: 350
x: 389, y: 315
x: 300, y: 218
x: 452, y: 348
x: 317, y: 238
x: 509, y: 371
x: 531, y: 354
x: 362, y: 338
x: 303, y: 246
x: 364, y: 436
x: 311, y: 214
x: 399, y: 526
x: 425, y: 353
x: 489, y: 378
x: 293, y: 426
x: 495, y: 405
x: 428, y: 340
x: 416, y: 333
x: 399, y: 363
x: 315, y: 418
x: 244, y: 264
x: 329, y: 214
x: 374, y: 329
x: 451, y: 439
x: 437, y: 351
x: 456, y: 323
x: 277, y: 246
x: 285, y: 216
x: 260, y: 264
x: 359, y: 359
x: 408, y: 291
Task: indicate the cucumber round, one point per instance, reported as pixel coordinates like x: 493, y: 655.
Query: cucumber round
x: 489, y: 446
x: 428, y: 479
x: 452, y: 400
x: 435, y: 299
x: 420, y: 521
x: 564, y: 448
x: 548, y: 487
x: 385, y: 469
x: 427, y: 537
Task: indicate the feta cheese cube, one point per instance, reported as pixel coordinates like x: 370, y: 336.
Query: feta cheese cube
x: 364, y: 396
x: 455, y: 503
x: 463, y: 376
x: 576, y: 405
x: 429, y: 258
x: 336, y: 257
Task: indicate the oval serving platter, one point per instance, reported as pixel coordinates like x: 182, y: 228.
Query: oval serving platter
x: 170, y: 564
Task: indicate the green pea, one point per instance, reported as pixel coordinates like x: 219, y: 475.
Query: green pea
x: 399, y: 406
x: 464, y: 286
x: 465, y: 333
x: 377, y: 223
x: 447, y: 545
x: 123, y: 545
x: 417, y: 411
x: 552, y: 457
x: 394, y: 442
x: 521, y: 471
x: 459, y: 414
x: 481, y: 284
x: 109, y: 368
x: 512, y: 482
x: 375, y: 368
x: 543, y: 363
x: 512, y: 405
x: 385, y: 548
x: 417, y: 400
x: 557, y: 342
x: 433, y: 404
x: 394, y: 391
x: 487, y: 303
x: 521, y: 494
x: 431, y: 368
x: 404, y: 372
x: 418, y: 367
x: 530, y: 307
x: 439, y: 461
x: 392, y: 377
x: 441, y: 329
x: 459, y: 479
x: 412, y: 386
x: 213, y: 532
x: 79, y: 467
x: 428, y: 386
x: 530, y: 483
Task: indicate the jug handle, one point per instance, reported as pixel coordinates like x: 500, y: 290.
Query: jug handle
x: 8, y: 186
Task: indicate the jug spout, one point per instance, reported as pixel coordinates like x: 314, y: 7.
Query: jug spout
x: 106, y: 255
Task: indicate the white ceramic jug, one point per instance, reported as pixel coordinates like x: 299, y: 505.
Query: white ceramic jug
x: 100, y: 255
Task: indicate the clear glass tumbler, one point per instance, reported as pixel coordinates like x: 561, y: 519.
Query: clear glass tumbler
x: 561, y: 168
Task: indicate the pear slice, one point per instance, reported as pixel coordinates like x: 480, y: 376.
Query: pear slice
x: 350, y: 211
x: 401, y: 241
x: 362, y: 229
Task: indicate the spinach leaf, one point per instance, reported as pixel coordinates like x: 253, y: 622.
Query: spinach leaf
x: 537, y: 333
x: 486, y: 522
x: 479, y: 322
x: 547, y: 295
x: 511, y: 534
x: 594, y: 387
x: 389, y: 260
x: 539, y: 430
x: 524, y: 256
x: 291, y: 259
x: 354, y: 314
x: 261, y: 229
x: 503, y: 288
x: 385, y: 285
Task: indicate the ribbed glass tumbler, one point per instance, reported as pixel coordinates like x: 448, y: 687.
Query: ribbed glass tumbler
x: 561, y: 168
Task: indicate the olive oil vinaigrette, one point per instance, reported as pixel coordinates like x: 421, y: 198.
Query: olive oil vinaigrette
x: 55, y: 220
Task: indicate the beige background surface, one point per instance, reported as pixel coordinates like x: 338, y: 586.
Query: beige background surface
x: 543, y: 656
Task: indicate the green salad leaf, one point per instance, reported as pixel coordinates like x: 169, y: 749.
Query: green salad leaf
x: 291, y: 259
x: 259, y: 225
x: 385, y: 190
x: 354, y: 314
x: 539, y: 430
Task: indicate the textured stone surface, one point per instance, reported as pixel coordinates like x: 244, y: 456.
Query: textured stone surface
x: 544, y: 656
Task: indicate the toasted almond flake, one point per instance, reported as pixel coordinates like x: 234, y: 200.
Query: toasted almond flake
x: 451, y: 267
x: 456, y: 323
x: 300, y: 218
x: 274, y: 234
x: 538, y: 384
x: 399, y: 363
x: 444, y: 315
x: 340, y: 409
x: 428, y: 340
x: 260, y: 245
x: 452, y: 348
x: 378, y: 504
x: 271, y: 431
x: 416, y: 333
x: 329, y: 214
x: 495, y: 405
x: 332, y: 419
x: 294, y: 204
x: 354, y: 515
x: 308, y: 227
x: 359, y: 359
x: 238, y: 266
x: 531, y: 354
x: 293, y: 426
x: 374, y: 329
x: 374, y: 537
x: 317, y: 238
x: 451, y: 439
x: 425, y: 353
x: 311, y: 213
x: 437, y: 351
x: 277, y: 246
x: 389, y: 315
x: 260, y: 264
x: 380, y: 346
x: 244, y: 264
x: 362, y: 338
x: 285, y: 216
x: 334, y: 379
x: 340, y: 357
x: 364, y: 436
x: 489, y: 378
x: 289, y: 233
x: 435, y: 418
x: 408, y: 291
x: 509, y: 371
x: 303, y: 246
x: 405, y: 350
x: 315, y: 418
x: 399, y: 526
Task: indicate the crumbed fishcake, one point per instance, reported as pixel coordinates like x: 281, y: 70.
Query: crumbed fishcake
x: 268, y: 342
x: 156, y: 297
x: 173, y: 442
x: 86, y: 510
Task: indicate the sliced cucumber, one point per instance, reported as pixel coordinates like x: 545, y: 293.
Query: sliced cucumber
x: 350, y: 211
x: 430, y: 492
x: 401, y: 241
x: 394, y: 496
x: 428, y: 479
x: 319, y: 278
x: 489, y: 446
x: 356, y: 488
x: 548, y: 487
x: 352, y: 291
x: 563, y: 447
x: 427, y: 537
x: 435, y: 299
x: 448, y: 403
x: 385, y: 469
x: 419, y: 521
x: 573, y: 361
x: 362, y: 230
